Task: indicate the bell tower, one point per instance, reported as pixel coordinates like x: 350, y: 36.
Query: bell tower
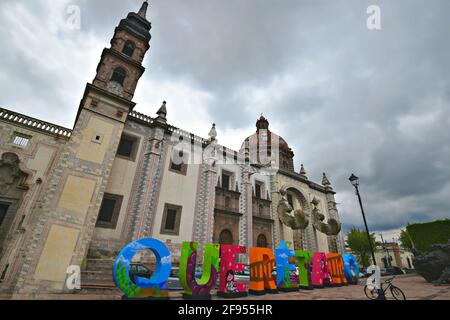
x: 65, y: 219
x: 120, y: 67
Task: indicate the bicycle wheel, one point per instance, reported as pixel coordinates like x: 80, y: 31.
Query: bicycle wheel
x: 371, y: 294
x: 397, y: 293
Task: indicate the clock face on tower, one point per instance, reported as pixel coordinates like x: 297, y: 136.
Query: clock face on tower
x: 115, y: 87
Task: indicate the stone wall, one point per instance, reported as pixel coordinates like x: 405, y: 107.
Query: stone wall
x: 36, y: 161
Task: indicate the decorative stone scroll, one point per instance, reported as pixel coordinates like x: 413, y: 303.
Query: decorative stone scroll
x: 331, y: 228
x: 10, y: 173
x: 296, y: 220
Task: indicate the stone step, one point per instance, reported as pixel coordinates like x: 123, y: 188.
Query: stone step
x: 96, y: 275
x: 102, y: 288
x: 99, y: 264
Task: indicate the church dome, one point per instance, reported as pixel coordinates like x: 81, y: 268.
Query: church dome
x: 267, y: 148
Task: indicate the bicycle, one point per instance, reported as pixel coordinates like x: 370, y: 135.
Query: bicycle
x: 395, y: 291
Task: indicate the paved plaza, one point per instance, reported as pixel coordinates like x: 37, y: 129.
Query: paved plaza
x: 414, y: 287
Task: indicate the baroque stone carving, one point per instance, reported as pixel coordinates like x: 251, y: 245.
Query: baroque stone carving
x: 434, y: 266
x: 10, y: 172
x: 331, y: 228
x: 295, y: 220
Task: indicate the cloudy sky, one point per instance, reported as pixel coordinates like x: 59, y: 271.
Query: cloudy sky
x: 347, y: 99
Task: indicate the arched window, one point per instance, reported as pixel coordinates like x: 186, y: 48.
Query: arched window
x: 119, y: 76
x: 261, y: 242
x: 226, y: 237
x: 128, y: 48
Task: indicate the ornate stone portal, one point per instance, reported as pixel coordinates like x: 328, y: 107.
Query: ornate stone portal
x: 12, y: 191
x: 299, y: 220
x: 10, y: 172
x: 296, y: 220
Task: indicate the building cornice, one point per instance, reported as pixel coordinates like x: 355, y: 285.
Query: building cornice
x: 34, y: 124
x: 265, y: 219
x: 59, y: 131
x: 227, y: 211
x: 312, y: 185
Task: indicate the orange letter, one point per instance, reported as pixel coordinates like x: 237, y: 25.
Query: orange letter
x: 262, y: 263
x: 336, y: 265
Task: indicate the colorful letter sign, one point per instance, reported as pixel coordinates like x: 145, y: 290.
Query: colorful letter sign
x: 143, y: 287
x: 351, y: 268
x: 229, y: 287
x: 284, y: 268
x: 336, y: 266
x: 320, y: 272
x: 262, y: 264
x: 304, y: 264
x: 200, y: 289
x: 315, y: 270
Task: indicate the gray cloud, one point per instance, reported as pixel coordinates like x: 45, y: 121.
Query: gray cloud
x: 347, y: 99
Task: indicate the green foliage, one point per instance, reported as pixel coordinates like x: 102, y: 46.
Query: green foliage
x: 125, y: 283
x: 359, y: 244
x: 424, y: 235
x: 405, y: 240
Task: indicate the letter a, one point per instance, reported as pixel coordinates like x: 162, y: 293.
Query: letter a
x: 374, y: 19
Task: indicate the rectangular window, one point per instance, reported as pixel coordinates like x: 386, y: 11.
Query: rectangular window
x: 258, y: 190
x: 171, y: 220
x: 264, y: 137
x: 128, y: 147
x: 3, y: 210
x: 21, y: 140
x: 226, y: 181
x: 109, y: 211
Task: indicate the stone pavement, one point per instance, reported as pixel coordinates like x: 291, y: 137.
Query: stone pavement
x: 414, y: 287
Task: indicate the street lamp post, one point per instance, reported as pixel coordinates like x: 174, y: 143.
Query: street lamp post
x: 355, y: 182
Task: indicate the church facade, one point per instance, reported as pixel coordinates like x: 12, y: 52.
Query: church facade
x: 77, y: 196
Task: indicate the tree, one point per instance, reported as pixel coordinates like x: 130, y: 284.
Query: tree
x: 405, y: 240
x: 359, y: 244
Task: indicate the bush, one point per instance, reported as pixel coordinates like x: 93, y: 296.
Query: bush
x: 424, y: 235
